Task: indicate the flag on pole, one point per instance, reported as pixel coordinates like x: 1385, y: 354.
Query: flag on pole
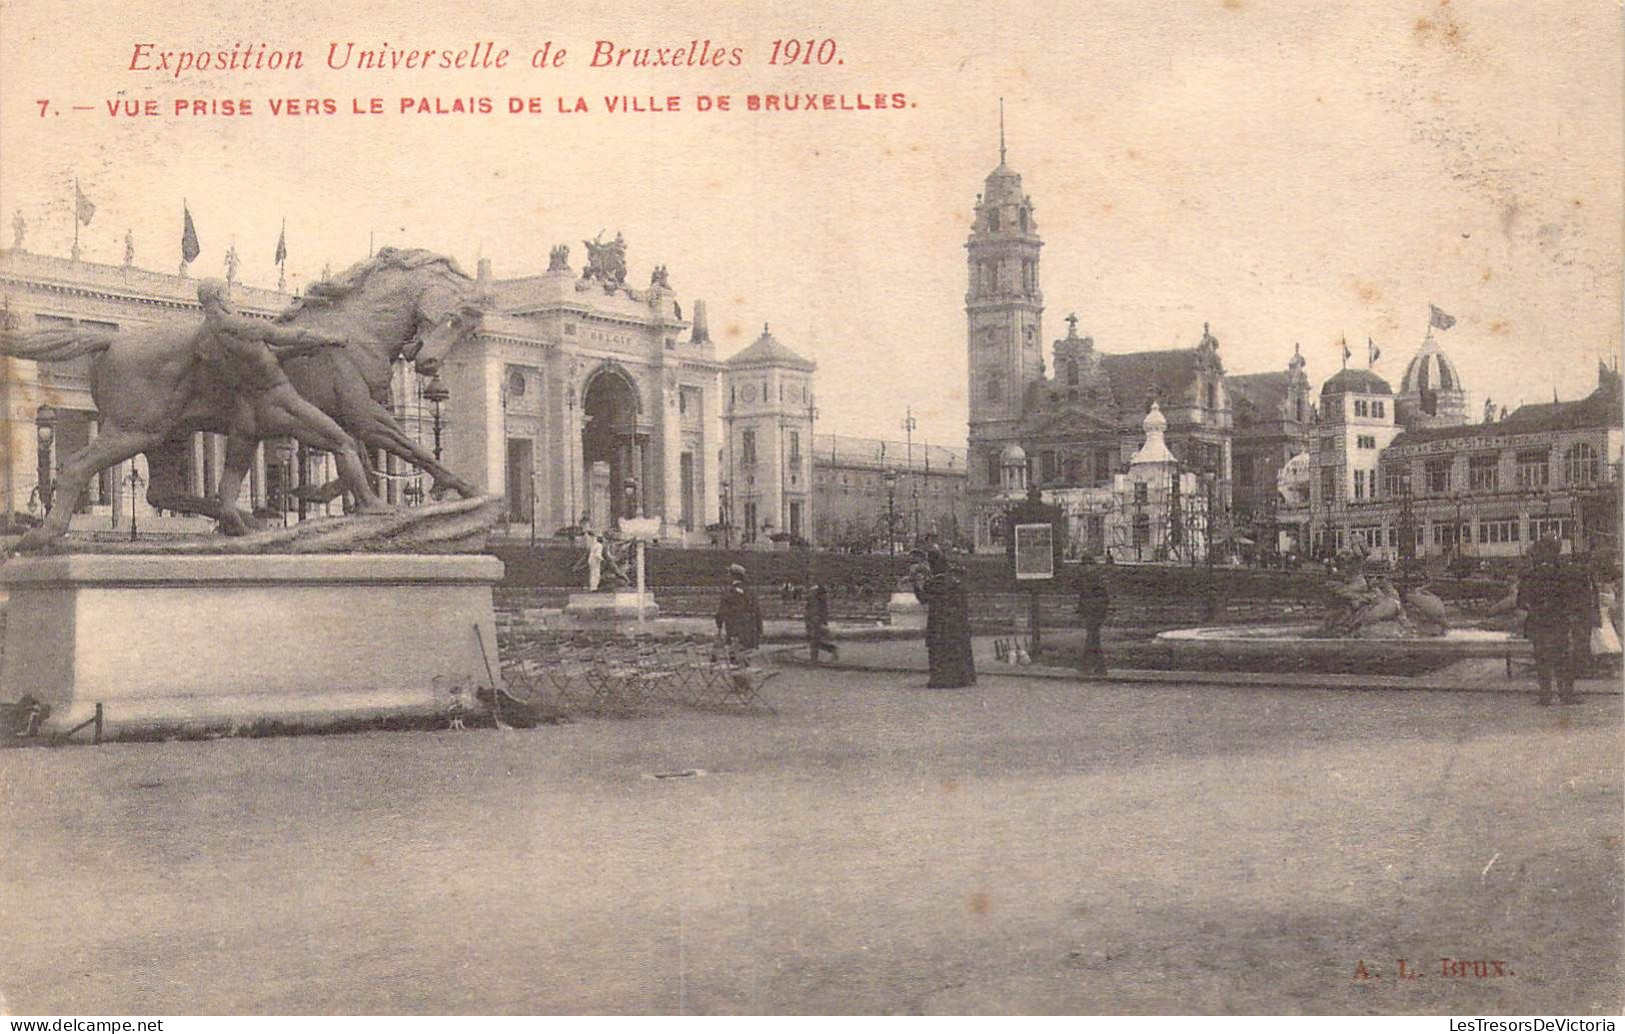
x: 83, y: 209
x: 282, y: 245
x: 189, y: 246
x: 1347, y: 354
x: 1439, y: 318
x: 1372, y: 352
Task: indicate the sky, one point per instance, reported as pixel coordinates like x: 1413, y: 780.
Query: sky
x: 1291, y: 172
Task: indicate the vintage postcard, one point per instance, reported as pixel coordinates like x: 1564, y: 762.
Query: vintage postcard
x: 822, y: 508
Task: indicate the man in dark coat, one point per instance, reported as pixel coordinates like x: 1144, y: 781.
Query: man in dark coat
x: 1094, y: 604
x: 1561, y: 603
x: 817, y: 618
x: 739, y: 615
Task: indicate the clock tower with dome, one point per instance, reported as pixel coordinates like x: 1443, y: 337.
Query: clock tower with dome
x: 1004, y: 310
x: 767, y: 400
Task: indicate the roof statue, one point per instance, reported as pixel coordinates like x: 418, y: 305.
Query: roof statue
x: 606, y: 262
x: 558, y: 260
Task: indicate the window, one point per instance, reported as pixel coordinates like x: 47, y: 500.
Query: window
x: 1483, y: 473
x: 1141, y: 492
x: 1367, y: 441
x: 1022, y: 213
x: 750, y: 522
x: 1360, y: 408
x: 1244, y: 471
x: 994, y: 387
x: 1581, y: 464
x: 993, y: 220
x: 1047, y: 466
x: 1212, y: 395
x: 1142, y: 531
x: 1297, y: 409
x: 1395, y: 481
x: 1105, y: 463
x: 1328, y: 484
x: 1072, y: 371
x: 1328, y: 444
x: 992, y: 468
x: 1498, y: 530
x: 1438, y: 474
x: 747, y: 448
x: 1534, y: 470
x: 1548, y: 527
x: 1378, y: 408
x: 1359, y: 484
x: 795, y: 448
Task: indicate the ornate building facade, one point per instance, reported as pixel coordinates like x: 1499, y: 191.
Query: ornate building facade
x: 1258, y: 461
x: 582, y: 399
x: 1076, y: 428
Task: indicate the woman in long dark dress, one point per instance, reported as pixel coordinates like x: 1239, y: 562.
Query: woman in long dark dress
x: 947, y: 625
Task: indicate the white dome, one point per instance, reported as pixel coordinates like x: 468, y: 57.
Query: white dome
x: 1013, y: 453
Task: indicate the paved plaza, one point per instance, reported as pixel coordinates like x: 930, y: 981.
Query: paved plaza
x: 1028, y: 845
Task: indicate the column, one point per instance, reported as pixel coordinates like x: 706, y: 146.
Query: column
x: 671, y: 464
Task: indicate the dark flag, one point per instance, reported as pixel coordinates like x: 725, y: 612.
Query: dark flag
x: 189, y: 246
x: 1439, y: 318
x: 1372, y: 352
x: 83, y: 209
x: 282, y: 245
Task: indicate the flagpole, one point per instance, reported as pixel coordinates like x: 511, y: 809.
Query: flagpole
x: 76, y: 219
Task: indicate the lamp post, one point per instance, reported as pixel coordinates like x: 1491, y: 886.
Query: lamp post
x: 890, y: 478
x: 136, y: 481
x: 913, y: 479
x: 284, y: 452
x: 812, y: 489
x: 437, y: 392
x: 45, y: 424
x: 725, y: 504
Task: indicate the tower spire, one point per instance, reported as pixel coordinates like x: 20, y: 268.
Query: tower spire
x: 1001, y: 130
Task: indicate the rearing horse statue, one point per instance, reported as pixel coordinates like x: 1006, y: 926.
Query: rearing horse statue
x: 154, y: 386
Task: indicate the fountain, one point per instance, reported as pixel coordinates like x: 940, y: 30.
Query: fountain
x: 1368, y: 626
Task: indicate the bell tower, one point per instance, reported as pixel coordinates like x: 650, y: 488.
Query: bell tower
x: 1004, y: 316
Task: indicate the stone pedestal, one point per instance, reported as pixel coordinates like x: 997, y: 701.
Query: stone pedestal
x: 607, y: 609
x: 189, y: 643
x: 904, y: 610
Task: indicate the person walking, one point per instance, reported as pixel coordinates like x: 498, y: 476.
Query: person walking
x: 817, y: 617
x: 1561, y: 605
x: 739, y: 614
x: 1094, y: 605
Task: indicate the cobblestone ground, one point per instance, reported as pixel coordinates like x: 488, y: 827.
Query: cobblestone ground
x: 1024, y: 846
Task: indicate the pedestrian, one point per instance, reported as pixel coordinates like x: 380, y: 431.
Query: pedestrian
x: 947, y: 624
x: 1094, y: 605
x: 739, y: 615
x: 1561, y: 604
x: 817, y: 618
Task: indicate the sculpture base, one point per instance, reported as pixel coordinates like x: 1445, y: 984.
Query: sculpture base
x: 607, y: 609
x: 905, y: 610
x: 204, y: 643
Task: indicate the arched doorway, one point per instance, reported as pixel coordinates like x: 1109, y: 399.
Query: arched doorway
x: 611, y: 447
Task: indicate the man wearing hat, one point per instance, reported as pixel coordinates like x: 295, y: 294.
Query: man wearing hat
x: 1561, y: 603
x: 739, y: 615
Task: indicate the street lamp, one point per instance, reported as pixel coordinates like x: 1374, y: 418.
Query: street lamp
x: 890, y: 478
x: 913, y: 479
x: 725, y: 505
x: 284, y: 451
x: 436, y: 392
x: 136, y: 482
x: 45, y: 424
